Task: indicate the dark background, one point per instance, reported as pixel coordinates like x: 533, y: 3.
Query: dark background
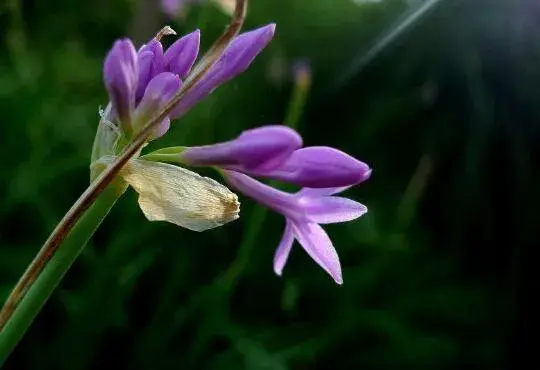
x: 436, y: 273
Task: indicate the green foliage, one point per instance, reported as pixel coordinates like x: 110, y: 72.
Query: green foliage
x: 427, y: 283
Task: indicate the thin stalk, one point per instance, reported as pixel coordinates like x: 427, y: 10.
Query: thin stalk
x: 302, y: 86
x: 297, y: 103
x: 55, y: 270
x: 105, y: 178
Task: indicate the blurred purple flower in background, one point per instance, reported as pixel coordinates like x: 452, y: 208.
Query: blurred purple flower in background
x: 301, y: 71
x: 174, y: 7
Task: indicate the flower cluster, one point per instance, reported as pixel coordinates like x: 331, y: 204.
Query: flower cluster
x: 141, y: 82
x: 276, y: 152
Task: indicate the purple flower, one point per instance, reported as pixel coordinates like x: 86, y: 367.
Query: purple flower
x: 235, y: 60
x: 158, y: 92
x: 181, y: 55
x: 274, y: 152
x: 318, y: 167
x: 178, y: 59
x: 304, y: 212
x: 150, y: 58
x: 173, y: 7
x: 261, y: 148
x: 120, y: 71
x: 129, y: 74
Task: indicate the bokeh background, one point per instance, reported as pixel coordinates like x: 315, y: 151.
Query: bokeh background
x: 441, y: 98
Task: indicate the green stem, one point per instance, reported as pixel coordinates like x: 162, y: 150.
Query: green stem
x: 55, y: 270
x: 299, y: 97
x: 169, y: 158
x: 256, y: 221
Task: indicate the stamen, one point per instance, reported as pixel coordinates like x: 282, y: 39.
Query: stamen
x: 165, y: 31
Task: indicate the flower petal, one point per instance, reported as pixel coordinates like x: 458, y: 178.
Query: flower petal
x: 320, y: 167
x: 328, y: 209
x: 235, y: 60
x: 181, y: 55
x: 263, y: 148
x: 318, y: 245
x: 159, y: 91
x: 156, y: 48
x: 319, y: 192
x: 157, y: 94
x: 274, y: 199
x: 120, y: 74
x: 284, y: 248
x: 145, y: 69
x: 162, y: 128
x: 174, y: 194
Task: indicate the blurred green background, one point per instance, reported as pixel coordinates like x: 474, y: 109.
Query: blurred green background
x: 447, y: 115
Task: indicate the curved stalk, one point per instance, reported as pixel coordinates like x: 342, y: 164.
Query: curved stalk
x: 55, y: 270
x: 12, y: 308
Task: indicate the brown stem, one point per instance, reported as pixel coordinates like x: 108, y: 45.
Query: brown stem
x: 107, y: 176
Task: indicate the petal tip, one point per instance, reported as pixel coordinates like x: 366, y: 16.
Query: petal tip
x: 367, y: 174
x: 270, y: 30
x: 338, y: 278
x: 264, y: 33
x: 194, y: 36
x: 272, y: 27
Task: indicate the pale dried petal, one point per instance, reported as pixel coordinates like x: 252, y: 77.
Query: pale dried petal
x: 182, y: 197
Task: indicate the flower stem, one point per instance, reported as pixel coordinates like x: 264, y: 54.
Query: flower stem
x: 80, y: 222
x: 101, y: 180
x: 297, y: 103
x: 36, y: 296
x: 301, y: 89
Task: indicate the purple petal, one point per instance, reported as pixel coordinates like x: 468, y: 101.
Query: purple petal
x: 319, y: 246
x: 181, y: 55
x: 162, y: 128
x: 274, y: 199
x: 120, y: 74
x: 151, y: 62
x: 328, y: 210
x: 145, y: 69
x: 242, y: 51
x: 320, y: 167
x: 284, y: 248
x: 236, y: 59
x: 156, y: 48
x: 319, y: 192
x: 262, y: 148
x: 157, y: 94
